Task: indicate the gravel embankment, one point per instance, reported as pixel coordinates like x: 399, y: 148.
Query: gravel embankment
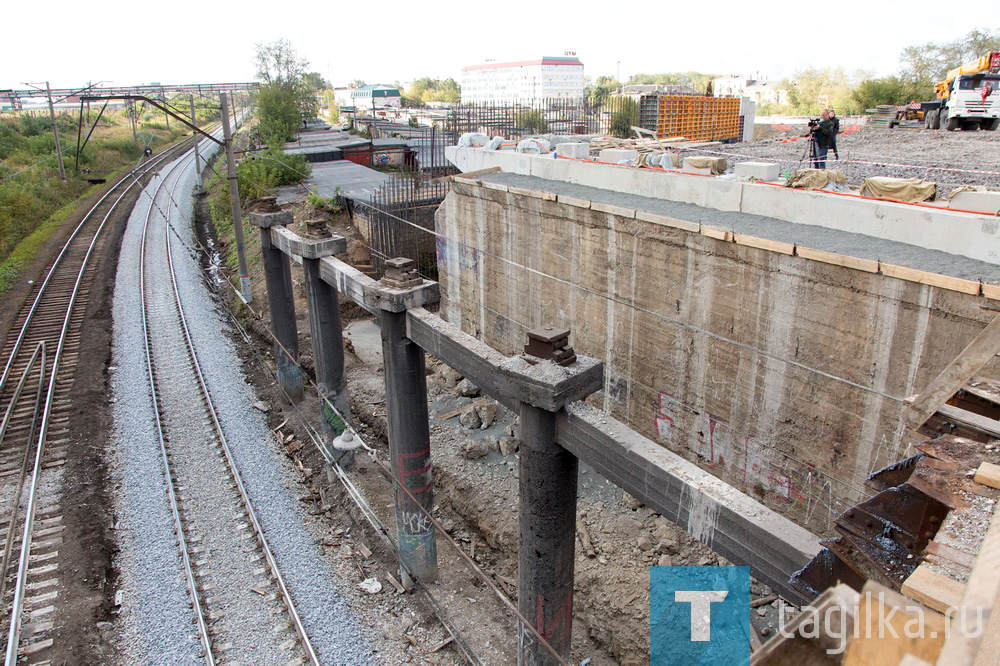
x: 157, y: 624
x: 948, y: 158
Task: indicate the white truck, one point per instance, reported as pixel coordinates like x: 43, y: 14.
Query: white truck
x: 968, y: 98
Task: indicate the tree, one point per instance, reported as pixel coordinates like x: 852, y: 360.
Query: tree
x: 625, y: 115
x: 601, y: 89
x: 890, y: 90
x: 815, y: 89
x: 426, y: 89
x: 697, y: 80
x: 279, y: 113
x: 277, y: 63
x: 929, y: 63
x: 314, y: 82
x: 533, y: 120
x: 289, y: 92
x: 356, y: 83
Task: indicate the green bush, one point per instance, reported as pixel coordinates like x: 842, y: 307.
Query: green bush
x: 532, y: 120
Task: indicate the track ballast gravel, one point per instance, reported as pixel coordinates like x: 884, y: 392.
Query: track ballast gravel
x: 157, y: 621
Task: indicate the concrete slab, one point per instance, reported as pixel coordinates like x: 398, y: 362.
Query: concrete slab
x: 580, y: 151
x: 810, y: 236
x: 759, y: 170
x: 984, y: 202
x: 354, y: 181
x: 616, y: 155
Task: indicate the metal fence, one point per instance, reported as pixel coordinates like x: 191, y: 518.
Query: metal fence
x: 517, y: 119
x: 399, y: 222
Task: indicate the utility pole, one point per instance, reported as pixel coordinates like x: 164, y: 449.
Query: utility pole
x: 234, y: 198
x: 55, y: 132
x: 197, y: 156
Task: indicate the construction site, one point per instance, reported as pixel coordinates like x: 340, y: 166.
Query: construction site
x: 798, y: 377
x: 467, y: 390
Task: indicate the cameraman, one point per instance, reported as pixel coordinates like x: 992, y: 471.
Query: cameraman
x: 822, y: 134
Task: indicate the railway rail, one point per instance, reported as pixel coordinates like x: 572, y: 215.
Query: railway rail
x: 243, y: 609
x: 43, y: 347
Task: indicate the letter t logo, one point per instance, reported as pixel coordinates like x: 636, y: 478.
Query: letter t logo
x: 701, y: 610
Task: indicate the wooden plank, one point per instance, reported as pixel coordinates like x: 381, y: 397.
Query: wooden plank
x: 933, y: 279
x: 718, y: 234
x: 500, y: 187
x: 980, y: 598
x: 620, y: 211
x: 735, y: 525
x: 975, y: 355
x: 764, y: 244
x: 884, y: 631
x: 988, y: 474
x: 991, y: 290
x: 455, y: 412
x: 835, y: 259
x: 950, y: 553
x: 988, y: 426
x: 573, y: 201
x: 665, y: 221
x: 932, y: 589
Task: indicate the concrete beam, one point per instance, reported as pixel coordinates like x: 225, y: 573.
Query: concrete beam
x: 733, y: 524
x: 292, y: 244
x: 510, y: 379
x: 370, y: 294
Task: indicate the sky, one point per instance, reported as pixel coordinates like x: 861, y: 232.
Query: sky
x: 383, y: 41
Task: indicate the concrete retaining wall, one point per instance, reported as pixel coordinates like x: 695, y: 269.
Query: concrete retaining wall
x: 711, y: 347
x: 973, y: 236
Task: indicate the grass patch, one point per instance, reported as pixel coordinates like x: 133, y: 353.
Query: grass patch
x: 25, y: 251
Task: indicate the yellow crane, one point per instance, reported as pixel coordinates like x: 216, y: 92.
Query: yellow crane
x: 968, y: 97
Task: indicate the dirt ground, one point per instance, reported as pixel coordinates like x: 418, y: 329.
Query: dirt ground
x: 947, y: 158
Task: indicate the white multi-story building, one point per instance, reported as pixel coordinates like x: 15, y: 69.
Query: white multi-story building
x: 551, y: 77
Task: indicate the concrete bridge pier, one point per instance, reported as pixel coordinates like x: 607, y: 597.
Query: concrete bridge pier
x: 408, y: 423
x: 280, y: 297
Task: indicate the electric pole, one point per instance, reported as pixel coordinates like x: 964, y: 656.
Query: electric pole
x: 55, y: 132
x: 197, y: 157
x: 234, y: 199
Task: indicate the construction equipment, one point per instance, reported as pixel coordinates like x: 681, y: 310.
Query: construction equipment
x: 968, y: 98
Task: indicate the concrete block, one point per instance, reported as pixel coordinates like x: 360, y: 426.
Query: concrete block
x: 580, y: 151
x: 983, y: 202
x: 758, y: 170
x: 689, y: 168
x: 616, y: 155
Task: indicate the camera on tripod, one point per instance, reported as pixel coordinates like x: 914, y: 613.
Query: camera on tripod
x: 814, y: 122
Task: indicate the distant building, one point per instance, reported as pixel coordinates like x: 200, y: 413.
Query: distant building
x: 658, y: 89
x: 367, y: 97
x: 760, y: 91
x: 551, y: 77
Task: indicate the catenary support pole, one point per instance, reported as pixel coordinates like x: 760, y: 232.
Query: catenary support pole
x: 197, y: 155
x: 409, y: 430
x: 280, y: 299
x: 55, y: 133
x: 234, y: 199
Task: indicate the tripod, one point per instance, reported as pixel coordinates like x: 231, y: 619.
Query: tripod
x: 810, y: 152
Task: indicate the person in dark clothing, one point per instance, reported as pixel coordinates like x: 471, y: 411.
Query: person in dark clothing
x: 821, y: 134
x: 836, y: 130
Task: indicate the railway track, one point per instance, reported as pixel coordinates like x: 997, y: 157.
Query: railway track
x: 40, y: 356
x: 242, y: 607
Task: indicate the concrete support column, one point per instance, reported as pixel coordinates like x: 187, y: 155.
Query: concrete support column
x: 280, y: 298
x: 409, y: 429
x: 547, y: 521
